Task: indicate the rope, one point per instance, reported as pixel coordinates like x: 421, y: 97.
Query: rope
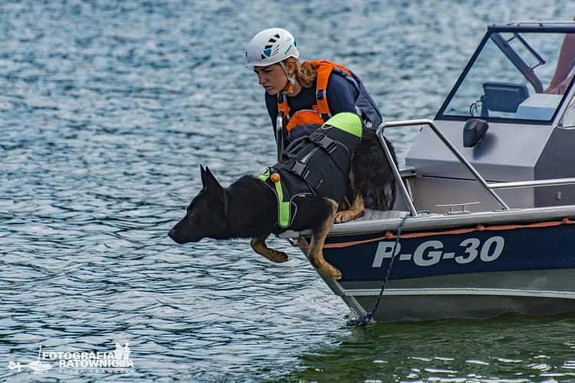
x: 368, y: 318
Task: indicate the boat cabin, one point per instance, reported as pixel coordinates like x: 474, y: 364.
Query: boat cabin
x: 502, y: 118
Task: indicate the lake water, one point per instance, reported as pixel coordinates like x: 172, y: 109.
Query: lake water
x: 107, y: 109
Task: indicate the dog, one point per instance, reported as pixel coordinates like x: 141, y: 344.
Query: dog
x: 248, y: 208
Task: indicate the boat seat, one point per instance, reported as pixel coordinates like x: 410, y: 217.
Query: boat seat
x: 539, y: 106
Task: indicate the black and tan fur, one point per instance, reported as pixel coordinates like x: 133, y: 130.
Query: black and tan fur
x: 248, y: 208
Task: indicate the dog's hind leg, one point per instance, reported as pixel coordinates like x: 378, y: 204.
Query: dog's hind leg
x: 353, y: 212
x: 260, y: 247
x: 315, y: 252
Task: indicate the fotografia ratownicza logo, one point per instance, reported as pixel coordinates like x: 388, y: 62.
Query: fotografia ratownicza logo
x: 117, y: 360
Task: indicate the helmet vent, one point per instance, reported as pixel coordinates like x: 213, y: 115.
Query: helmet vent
x: 270, y: 50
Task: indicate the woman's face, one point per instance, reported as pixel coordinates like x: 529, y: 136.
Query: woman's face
x: 272, y: 78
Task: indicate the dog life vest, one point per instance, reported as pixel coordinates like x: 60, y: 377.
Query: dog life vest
x: 364, y: 104
x: 317, y: 164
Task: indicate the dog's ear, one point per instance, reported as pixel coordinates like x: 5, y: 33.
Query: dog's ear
x: 213, y: 187
x: 210, y: 182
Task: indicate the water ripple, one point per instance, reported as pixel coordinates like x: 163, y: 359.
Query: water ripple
x: 107, y: 110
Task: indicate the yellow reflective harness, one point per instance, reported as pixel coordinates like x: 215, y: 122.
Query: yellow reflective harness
x: 284, y: 208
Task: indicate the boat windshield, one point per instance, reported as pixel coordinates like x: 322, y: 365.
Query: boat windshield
x: 508, y: 77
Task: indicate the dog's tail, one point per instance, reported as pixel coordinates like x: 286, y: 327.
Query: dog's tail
x: 372, y: 175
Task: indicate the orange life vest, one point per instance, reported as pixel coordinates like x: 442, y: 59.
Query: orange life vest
x: 320, y: 111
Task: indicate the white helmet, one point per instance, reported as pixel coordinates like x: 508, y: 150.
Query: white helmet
x: 271, y: 46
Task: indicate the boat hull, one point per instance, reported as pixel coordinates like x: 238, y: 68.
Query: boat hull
x: 470, y: 296
x: 473, y: 272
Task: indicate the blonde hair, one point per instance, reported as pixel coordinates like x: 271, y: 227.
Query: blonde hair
x: 305, y: 73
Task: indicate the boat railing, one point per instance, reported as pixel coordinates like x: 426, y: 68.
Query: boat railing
x: 532, y: 183
x: 489, y: 187
x: 396, y: 173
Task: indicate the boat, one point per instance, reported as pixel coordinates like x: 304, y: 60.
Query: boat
x: 484, y: 220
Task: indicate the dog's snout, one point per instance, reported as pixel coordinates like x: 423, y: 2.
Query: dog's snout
x: 180, y: 235
x: 173, y: 234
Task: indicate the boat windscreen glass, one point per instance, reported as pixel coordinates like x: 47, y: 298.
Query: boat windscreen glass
x: 509, y: 77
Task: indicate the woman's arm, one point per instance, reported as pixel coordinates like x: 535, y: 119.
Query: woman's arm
x: 341, y: 95
x: 565, y: 64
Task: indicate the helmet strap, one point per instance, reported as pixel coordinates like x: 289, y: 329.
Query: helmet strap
x: 291, y: 79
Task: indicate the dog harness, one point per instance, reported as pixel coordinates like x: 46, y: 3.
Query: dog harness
x: 317, y: 164
x: 320, y: 112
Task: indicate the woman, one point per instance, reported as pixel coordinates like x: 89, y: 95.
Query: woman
x: 301, y: 96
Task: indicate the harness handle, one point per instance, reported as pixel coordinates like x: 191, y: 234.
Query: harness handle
x: 279, y: 136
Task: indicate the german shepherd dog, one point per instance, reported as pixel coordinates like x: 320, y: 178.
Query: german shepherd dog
x: 248, y: 208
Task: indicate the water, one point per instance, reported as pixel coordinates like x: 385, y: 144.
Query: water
x: 107, y: 108
x: 502, y: 350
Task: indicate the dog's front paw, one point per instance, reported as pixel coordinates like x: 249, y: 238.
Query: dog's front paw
x: 276, y: 256
x: 259, y: 246
x: 330, y: 272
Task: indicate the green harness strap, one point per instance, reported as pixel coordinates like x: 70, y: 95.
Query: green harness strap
x: 284, y: 208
